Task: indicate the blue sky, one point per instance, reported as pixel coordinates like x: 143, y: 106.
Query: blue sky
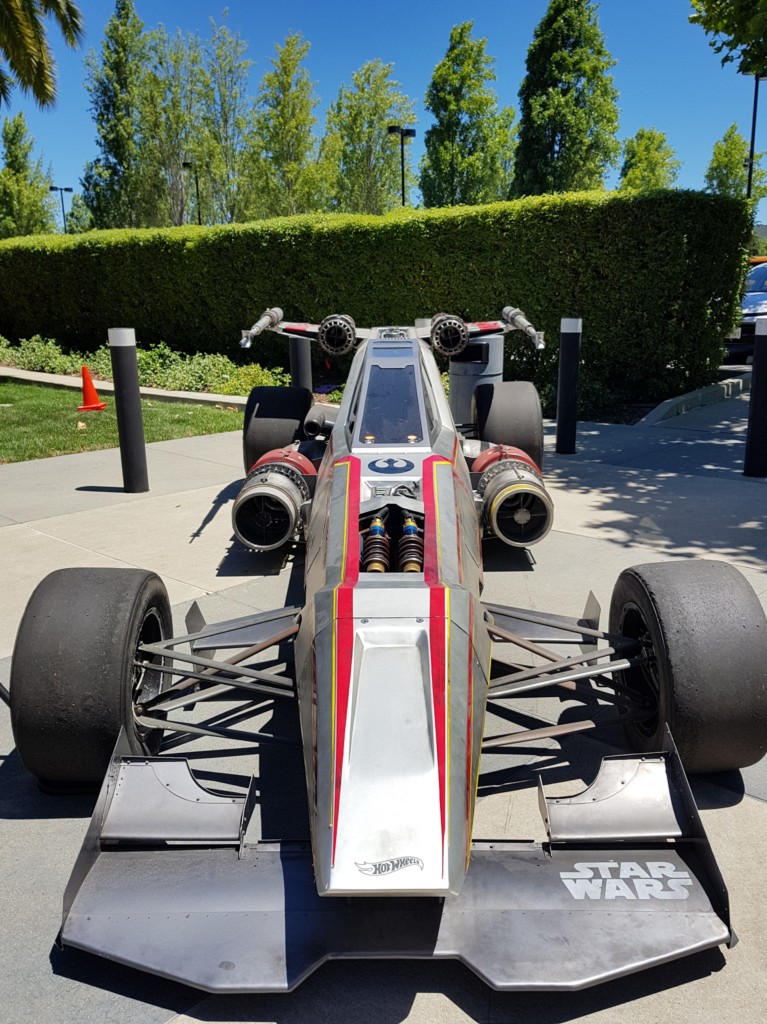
x: 667, y: 75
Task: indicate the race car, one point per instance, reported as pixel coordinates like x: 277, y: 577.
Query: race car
x: 396, y: 664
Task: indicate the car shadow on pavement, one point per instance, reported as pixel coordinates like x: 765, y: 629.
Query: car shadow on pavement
x: 126, y: 982
x: 239, y: 561
x: 22, y: 800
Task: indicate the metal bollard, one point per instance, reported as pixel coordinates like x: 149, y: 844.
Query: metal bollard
x: 567, y: 388
x: 755, y: 461
x: 130, y: 423
x: 301, y: 363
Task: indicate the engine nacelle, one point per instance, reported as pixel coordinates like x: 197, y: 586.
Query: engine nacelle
x: 267, y: 511
x: 449, y: 334
x: 337, y: 334
x: 517, y: 506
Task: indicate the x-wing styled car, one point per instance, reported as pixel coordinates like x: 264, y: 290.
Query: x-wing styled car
x: 398, y: 665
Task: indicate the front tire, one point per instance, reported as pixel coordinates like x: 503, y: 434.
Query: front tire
x: 73, y: 678
x: 704, y: 661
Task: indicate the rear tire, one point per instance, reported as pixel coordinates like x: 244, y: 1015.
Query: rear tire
x: 73, y: 681
x: 705, y: 660
x: 274, y: 418
x: 509, y: 412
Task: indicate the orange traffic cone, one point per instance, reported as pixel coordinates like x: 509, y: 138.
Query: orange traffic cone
x: 90, y: 398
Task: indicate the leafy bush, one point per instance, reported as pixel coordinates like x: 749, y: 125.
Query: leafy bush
x: 655, y: 276
x: 245, y: 378
x: 40, y: 354
x: 158, y: 366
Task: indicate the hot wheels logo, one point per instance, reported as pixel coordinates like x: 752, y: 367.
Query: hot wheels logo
x: 386, y: 867
x: 629, y: 880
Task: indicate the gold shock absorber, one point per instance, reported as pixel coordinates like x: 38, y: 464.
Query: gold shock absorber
x: 375, y: 550
x: 410, y: 547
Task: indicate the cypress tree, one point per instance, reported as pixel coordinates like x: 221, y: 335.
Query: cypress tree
x: 568, y: 104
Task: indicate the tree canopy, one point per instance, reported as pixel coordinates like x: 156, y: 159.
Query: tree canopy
x: 285, y: 125
x: 648, y: 161
x: 727, y: 173
x: 739, y: 28
x: 470, y: 147
x: 24, y: 46
x: 112, y: 187
x: 568, y: 104
x: 365, y: 159
x: 26, y: 205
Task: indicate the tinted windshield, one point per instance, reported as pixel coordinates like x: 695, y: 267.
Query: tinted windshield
x: 756, y: 281
x: 391, y: 414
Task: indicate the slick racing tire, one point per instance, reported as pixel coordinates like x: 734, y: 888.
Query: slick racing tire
x: 509, y: 412
x: 704, y: 661
x: 274, y: 418
x: 73, y: 678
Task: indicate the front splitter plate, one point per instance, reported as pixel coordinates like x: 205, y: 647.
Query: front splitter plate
x: 528, y: 917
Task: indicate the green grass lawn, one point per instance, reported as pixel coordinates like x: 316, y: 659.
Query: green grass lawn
x: 36, y: 422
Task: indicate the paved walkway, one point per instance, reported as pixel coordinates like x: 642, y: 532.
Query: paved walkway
x: 630, y: 495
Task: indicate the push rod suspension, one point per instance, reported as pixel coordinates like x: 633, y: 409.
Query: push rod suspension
x: 215, y: 689
x: 550, y: 732
x: 211, y: 668
x: 541, y: 682
x: 581, y: 690
x: 287, y: 689
x: 221, y: 732
x: 561, y: 666
x: 565, y: 626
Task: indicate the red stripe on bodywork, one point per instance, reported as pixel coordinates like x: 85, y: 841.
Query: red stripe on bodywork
x: 344, y: 648
x: 437, y: 627
x: 469, y: 730
x: 344, y: 627
x: 431, y: 560
x: 486, y: 326
x: 437, y: 654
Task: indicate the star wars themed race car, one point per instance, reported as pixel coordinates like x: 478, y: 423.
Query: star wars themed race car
x: 397, y: 668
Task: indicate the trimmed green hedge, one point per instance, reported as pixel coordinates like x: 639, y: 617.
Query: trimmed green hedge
x: 656, y: 278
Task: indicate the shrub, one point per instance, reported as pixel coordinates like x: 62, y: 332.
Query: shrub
x: 655, y: 276
x: 158, y: 366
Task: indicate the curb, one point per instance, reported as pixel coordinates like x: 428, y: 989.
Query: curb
x: 696, y: 399
x: 55, y: 380
x: 666, y: 410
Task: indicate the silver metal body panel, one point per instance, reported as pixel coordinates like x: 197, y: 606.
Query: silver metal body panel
x: 392, y: 668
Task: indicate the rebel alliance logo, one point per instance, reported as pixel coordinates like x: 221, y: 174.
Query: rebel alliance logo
x: 386, y: 867
x: 629, y: 880
x: 390, y: 466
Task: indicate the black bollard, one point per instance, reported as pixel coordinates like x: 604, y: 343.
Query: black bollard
x: 130, y: 423
x: 301, y: 363
x: 567, y: 388
x: 755, y: 461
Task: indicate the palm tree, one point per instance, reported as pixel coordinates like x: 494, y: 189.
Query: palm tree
x: 24, y: 45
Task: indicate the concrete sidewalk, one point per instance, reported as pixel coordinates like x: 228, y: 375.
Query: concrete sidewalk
x: 630, y: 495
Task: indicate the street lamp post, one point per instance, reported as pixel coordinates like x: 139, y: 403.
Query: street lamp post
x: 404, y: 133
x: 188, y: 166
x: 757, y: 79
x: 61, y: 190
